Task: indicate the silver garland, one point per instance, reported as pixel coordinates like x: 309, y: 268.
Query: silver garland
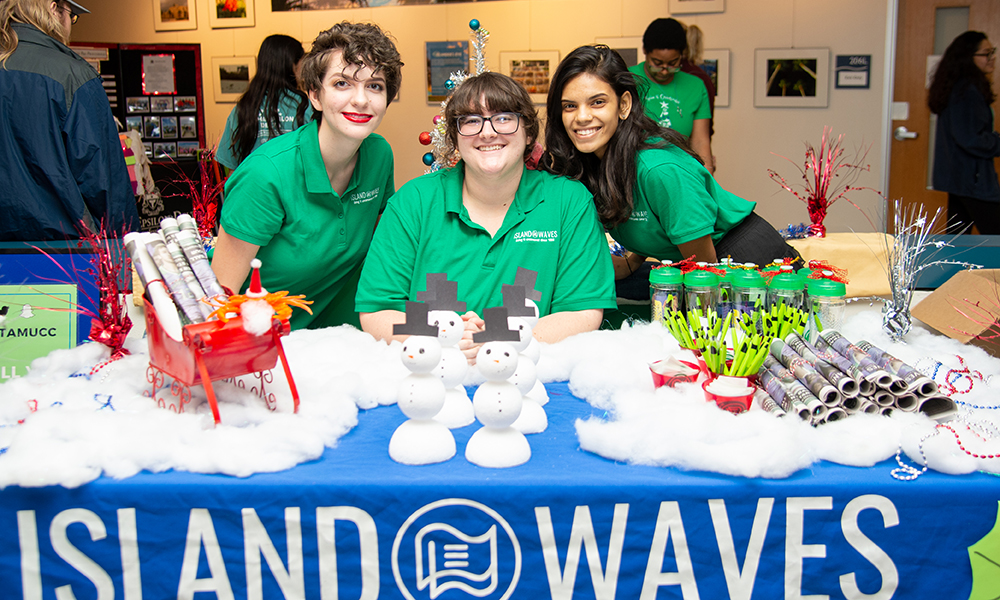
x: 909, y: 254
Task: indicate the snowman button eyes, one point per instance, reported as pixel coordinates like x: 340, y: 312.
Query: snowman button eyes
x: 506, y: 353
x: 488, y: 351
x: 421, y: 350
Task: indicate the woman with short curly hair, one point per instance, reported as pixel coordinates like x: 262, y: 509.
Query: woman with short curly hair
x: 306, y: 203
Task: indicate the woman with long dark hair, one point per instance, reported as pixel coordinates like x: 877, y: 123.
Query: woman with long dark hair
x: 652, y: 192
x: 961, y: 94
x: 271, y: 105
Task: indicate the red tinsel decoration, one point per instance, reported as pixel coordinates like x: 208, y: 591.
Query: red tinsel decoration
x: 112, y: 325
x: 837, y: 274
x: 205, y: 193
x: 822, y: 167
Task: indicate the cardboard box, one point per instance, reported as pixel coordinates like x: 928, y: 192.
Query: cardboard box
x: 966, y: 308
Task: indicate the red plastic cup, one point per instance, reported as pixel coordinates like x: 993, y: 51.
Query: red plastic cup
x: 671, y: 377
x: 734, y: 404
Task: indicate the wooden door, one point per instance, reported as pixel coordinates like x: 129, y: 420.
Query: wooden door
x: 915, y: 42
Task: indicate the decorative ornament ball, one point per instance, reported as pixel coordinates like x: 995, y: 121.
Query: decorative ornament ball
x: 497, y: 361
x: 428, y: 159
x: 437, y: 119
x: 474, y: 24
x: 450, y: 84
x: 421, y: 353
x: 425, y: 138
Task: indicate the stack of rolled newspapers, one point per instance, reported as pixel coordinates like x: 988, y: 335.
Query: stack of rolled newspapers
x: 832, y: 378
x: 175, y: 271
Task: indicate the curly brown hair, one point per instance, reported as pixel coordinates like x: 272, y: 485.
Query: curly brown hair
x: 362, y: 44
x: 490, y: 92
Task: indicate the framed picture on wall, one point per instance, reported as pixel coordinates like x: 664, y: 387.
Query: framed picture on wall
x: 231, y: 75
x: 629, y: 48
x: 168, y: 127
x: 230, y: 13
x: 189, y: 127
x: 716, y: 64
x: 791, y: 77
x: 533, y: 70
x: 687, y: 7
x: 174, y: 15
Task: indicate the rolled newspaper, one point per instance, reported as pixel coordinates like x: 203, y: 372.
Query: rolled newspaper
x: 766, y: 402
x: 159, y: 295
x: 179, y: 290
x: 847, y: 385
x: 869, y: 370
x: 916, y: 381
x: 939, y: 407
x: 785, y: 399
x: 806, y: 373
x: 793, y: 387
x: 190, y: 243
x: 835, y: 414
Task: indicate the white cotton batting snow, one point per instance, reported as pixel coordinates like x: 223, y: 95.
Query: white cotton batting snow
x: 58, y: 429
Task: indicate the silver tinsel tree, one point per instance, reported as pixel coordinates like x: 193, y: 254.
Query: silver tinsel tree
x: 910, y: 252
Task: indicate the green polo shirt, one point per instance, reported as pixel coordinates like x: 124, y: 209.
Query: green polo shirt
x: 676, y: 201
x: 551, y: 227
x: 676, y: 105
x: 311, y: 240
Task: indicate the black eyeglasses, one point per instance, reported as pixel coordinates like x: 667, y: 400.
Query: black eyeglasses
x: 503, y: 123
x: 73, y: 17
x: 988, y: 54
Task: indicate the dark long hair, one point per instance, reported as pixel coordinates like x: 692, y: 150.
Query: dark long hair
x: 611, y: 180
x: 957, y: 65
x: 274, y: 79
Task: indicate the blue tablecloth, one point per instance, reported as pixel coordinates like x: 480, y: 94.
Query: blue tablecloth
x: 568, y: 524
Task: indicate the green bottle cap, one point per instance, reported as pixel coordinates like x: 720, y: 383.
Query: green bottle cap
x: 786, y: 281
x: 701, y: 279
x: 826, y: 287
x: 748, y: 279
x: 666, y: 276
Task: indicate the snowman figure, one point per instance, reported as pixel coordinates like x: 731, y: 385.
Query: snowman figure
x: 444, y: 315
x: 497, y: 402
x: 533, y: 418
x: 525, y: 278
x: 420, y: 440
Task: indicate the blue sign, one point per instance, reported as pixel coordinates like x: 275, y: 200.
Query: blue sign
x: 853, y: 71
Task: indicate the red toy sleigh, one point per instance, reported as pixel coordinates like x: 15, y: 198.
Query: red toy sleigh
x: 208, y: 352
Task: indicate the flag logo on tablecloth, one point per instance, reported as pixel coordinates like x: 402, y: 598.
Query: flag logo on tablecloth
x: 456, y: 545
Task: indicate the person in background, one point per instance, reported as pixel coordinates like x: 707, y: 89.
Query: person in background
x: 306, y: 202
x: 961, y: 93
x: 671, y: 97
x: 271, y: 105
x: 483, y: 218
x: 652, y: 193
x: 62, y: 160
x: 691, y: 64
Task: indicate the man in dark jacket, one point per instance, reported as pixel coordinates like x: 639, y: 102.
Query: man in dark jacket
x: 59, y: 147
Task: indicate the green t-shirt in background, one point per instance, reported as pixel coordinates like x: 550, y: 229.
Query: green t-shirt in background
x: 676, y: 105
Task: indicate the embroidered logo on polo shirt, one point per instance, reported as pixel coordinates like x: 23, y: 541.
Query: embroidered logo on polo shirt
x: 639, y: 215
x: 363, y: 197
x: 535, y: 235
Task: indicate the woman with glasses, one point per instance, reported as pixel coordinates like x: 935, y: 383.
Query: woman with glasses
x: 59, y: 147
x: 672, y: 98
x: 965, y: 144
x: 652, y: 193
x: 480, y: 220
x: 306, y: 202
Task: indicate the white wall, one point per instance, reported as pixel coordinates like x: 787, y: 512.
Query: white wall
x: 746, y: 139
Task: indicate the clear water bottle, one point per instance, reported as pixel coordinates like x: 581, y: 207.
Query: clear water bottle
x: 701, y: 292
x: 785, y: 288
x: 828, y: 304
x: 749, y: 291
x: 666, y: 291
